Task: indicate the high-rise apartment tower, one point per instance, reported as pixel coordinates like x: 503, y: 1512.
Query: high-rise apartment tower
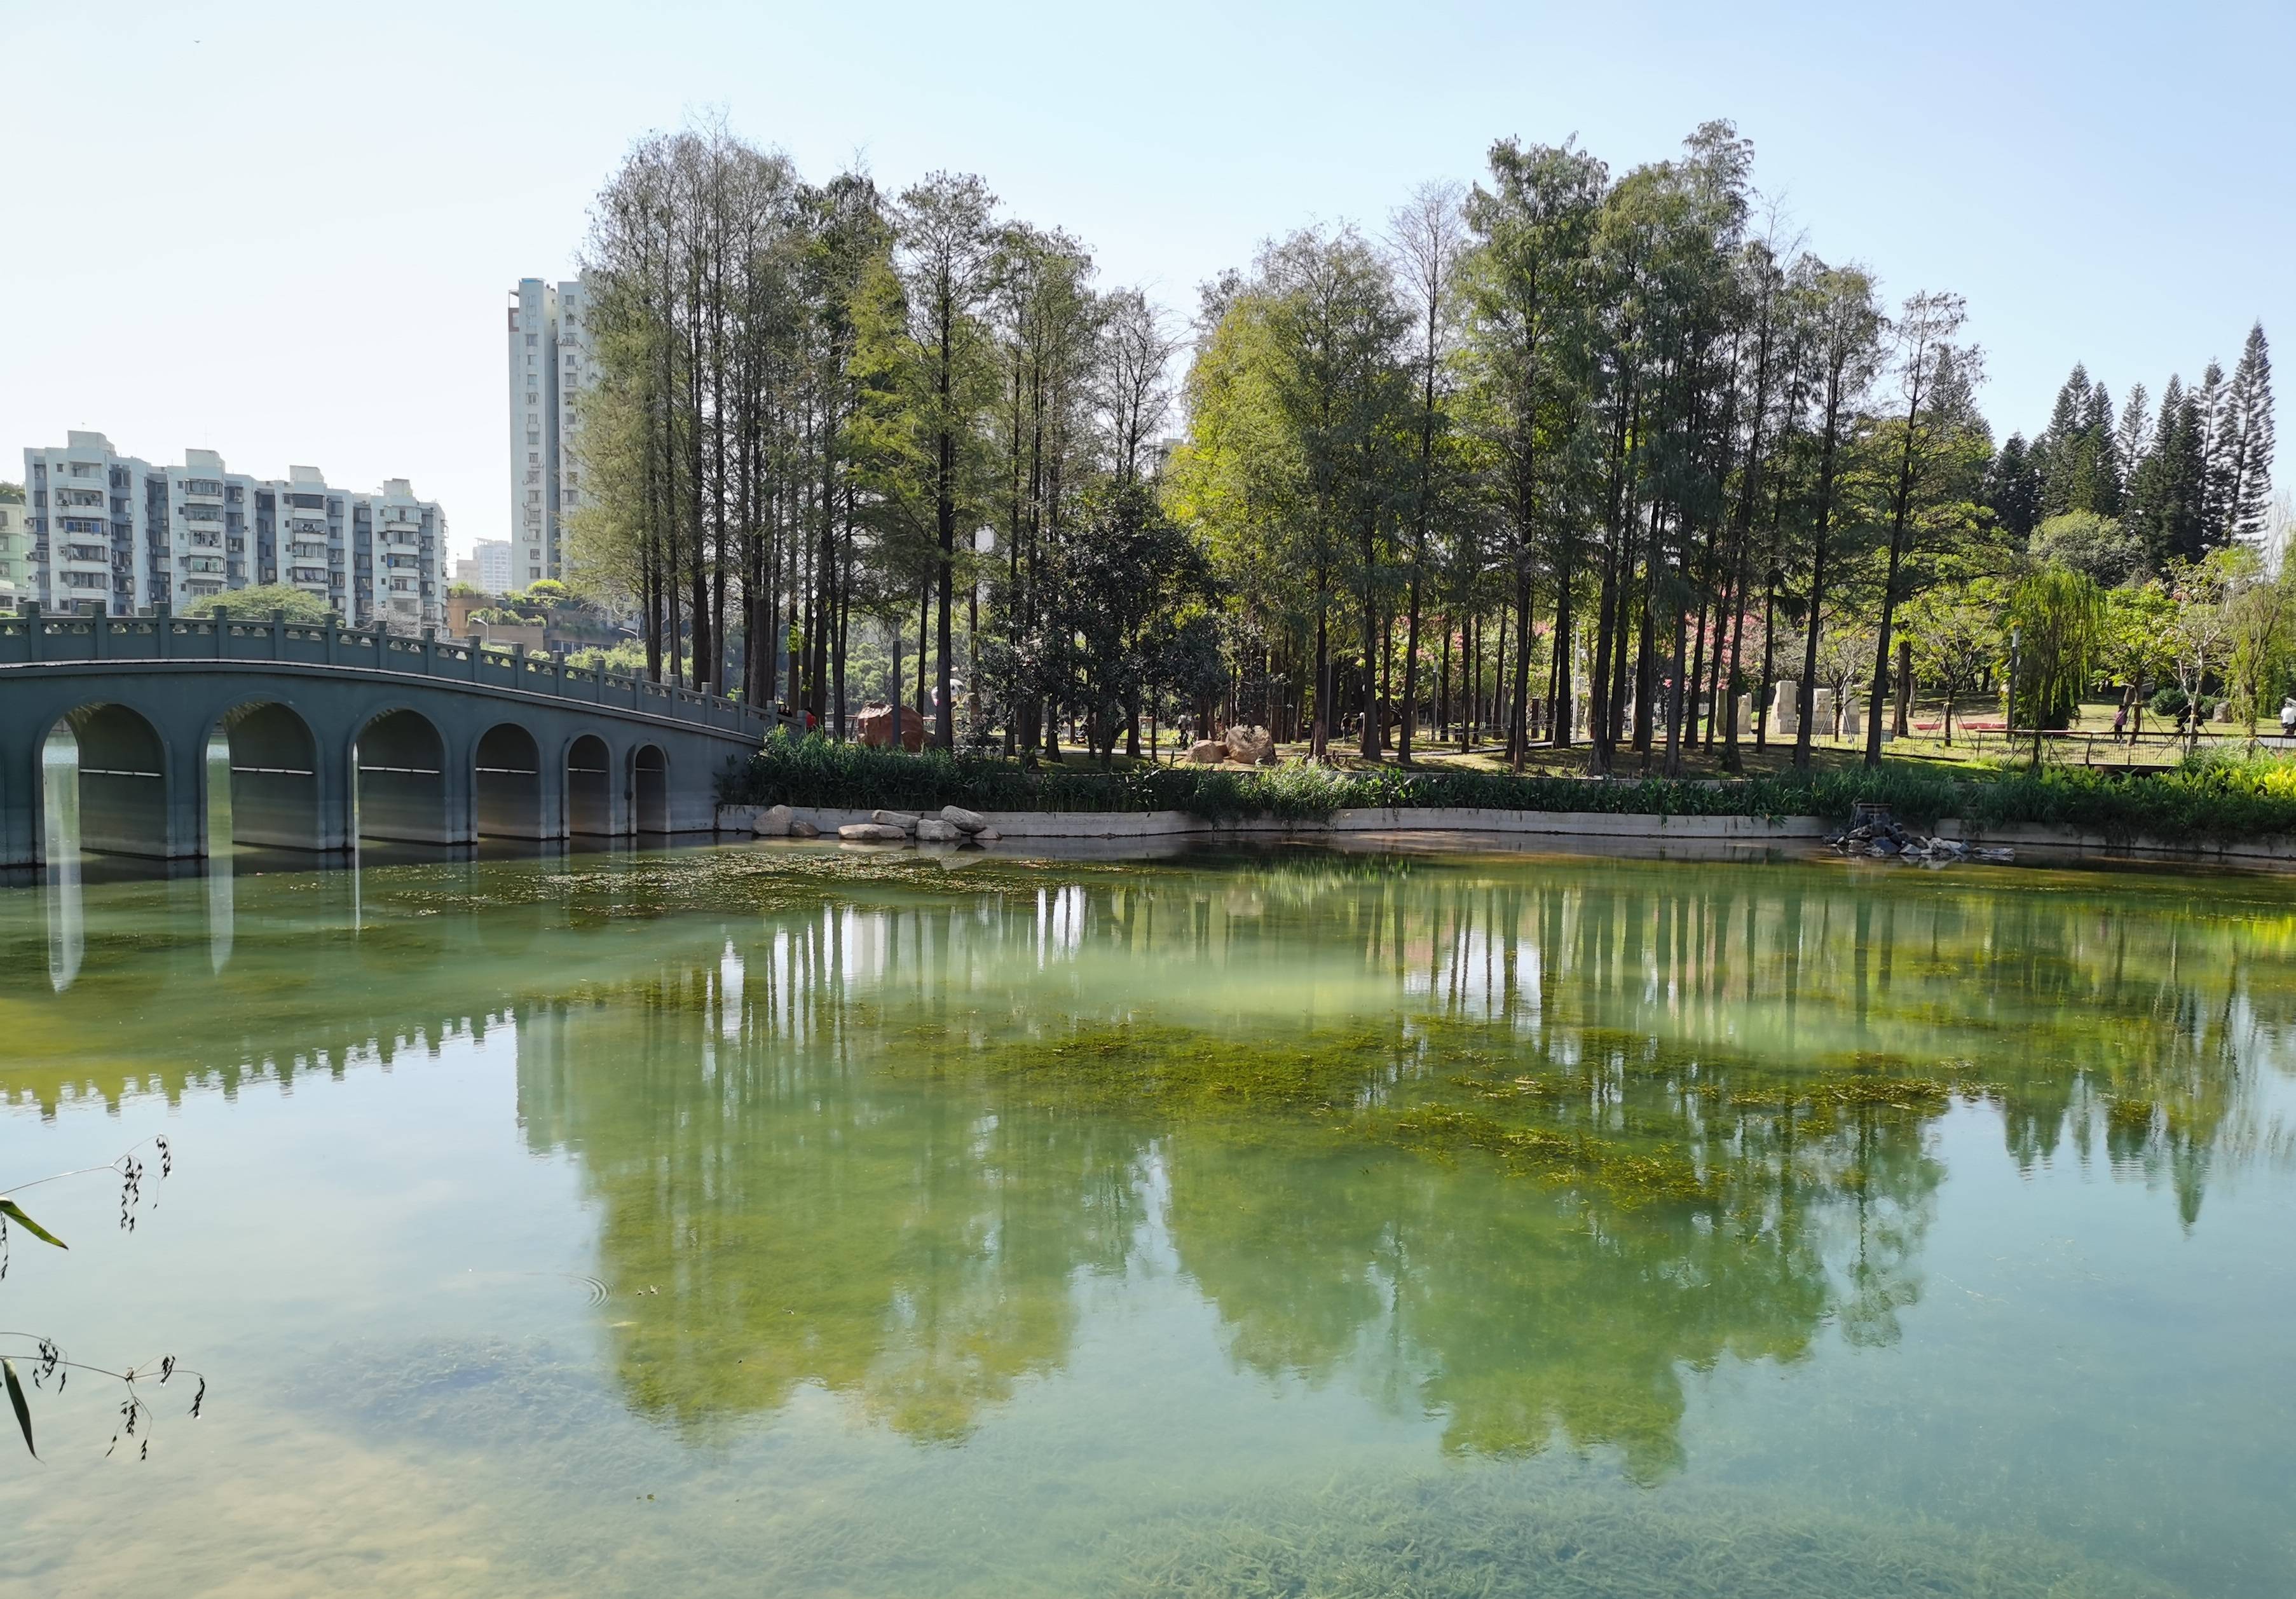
x: 550, y: 368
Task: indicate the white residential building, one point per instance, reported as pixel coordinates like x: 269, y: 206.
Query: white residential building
x: 14, y: 538
x: 551, y: 365
x: 111, y: 529
x: 493, y: 566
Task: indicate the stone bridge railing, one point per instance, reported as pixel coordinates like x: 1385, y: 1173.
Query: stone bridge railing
x: 32, y: 637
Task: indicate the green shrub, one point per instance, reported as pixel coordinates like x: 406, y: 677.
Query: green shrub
x: 2210, y: 796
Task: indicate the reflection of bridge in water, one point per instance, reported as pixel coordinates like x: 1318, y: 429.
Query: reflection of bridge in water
x: 187, y: 734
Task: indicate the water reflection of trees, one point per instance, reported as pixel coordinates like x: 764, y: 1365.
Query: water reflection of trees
x: 867, y: 1133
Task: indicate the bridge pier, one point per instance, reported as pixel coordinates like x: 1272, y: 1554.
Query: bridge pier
x: 19, y: 793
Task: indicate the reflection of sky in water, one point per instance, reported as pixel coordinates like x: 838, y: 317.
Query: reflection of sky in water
x: 1015, y: 1228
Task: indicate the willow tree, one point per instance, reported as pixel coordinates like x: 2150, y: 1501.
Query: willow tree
x: 2058, y: 619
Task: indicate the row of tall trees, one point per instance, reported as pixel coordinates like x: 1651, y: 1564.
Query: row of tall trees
x: 822, y: 404
x: 1613, y: 438
x: 1566, y: 455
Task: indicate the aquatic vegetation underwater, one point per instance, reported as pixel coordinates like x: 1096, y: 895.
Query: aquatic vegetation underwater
x: 1292, y: 1222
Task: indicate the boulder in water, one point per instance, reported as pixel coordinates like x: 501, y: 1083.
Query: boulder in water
x: 872, y: 833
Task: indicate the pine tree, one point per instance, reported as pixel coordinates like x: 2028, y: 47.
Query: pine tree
x: 2133, y: 437
x: 2209, y: 402
x: 2244, y: 439
x: 2099, y: 483
x: 2167, y: 502
x: 2056, y: 455
x: 2012, y: 489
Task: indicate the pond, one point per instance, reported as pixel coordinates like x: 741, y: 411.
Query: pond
x: 798, y: 1220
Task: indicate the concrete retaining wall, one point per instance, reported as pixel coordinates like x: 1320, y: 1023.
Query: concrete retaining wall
x: 1174, y: 823
x: 1172, y: 826
x: 2069, y: 843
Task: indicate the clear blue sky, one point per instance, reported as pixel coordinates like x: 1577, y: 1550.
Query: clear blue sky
x: 286, y: 231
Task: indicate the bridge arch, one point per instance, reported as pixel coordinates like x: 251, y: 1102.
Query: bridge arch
x: 273, y: 789
x: 589, y: 787
x: 399, y: 762
x: 506, y: 783
x: 103, y: 775
x: 649, y: 789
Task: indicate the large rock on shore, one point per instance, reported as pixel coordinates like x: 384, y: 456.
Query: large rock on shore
x: 932, y: 830
x: 1207, y: 753
x: 893, y: 819
x: 961, y: 819
x: 875, y: 727
x: 772, y: 821
x: 872, y: 833
x: 1250, y: 745
x: 800, y: 828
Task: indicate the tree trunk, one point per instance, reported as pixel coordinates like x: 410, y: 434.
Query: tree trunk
x: 1833, y: 403
x: 1519, y: 723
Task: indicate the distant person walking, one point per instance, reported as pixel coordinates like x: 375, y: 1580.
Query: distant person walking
x: 2288, y: 719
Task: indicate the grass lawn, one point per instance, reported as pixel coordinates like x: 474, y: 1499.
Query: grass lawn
x: 1978, y: 744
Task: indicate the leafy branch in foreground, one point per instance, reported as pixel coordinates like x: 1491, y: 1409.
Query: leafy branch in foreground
x: 48, y: 1361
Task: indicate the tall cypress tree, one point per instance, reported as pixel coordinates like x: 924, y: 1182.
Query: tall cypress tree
x: 2209, y: 408
x: 2245, y: 440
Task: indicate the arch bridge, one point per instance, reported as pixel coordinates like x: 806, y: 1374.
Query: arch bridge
x: 332, y: 735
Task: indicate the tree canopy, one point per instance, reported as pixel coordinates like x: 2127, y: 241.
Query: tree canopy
x: 1566, y: 455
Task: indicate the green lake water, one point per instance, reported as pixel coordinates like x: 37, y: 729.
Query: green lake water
x: 791, y: 1220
